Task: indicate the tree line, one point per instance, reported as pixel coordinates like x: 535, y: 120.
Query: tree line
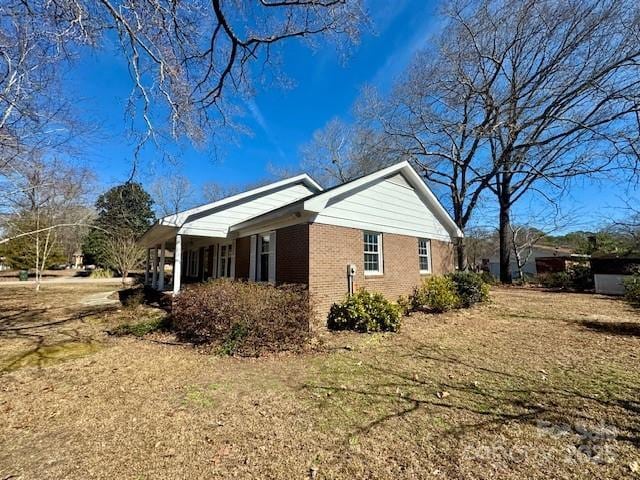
x: 510, y: 99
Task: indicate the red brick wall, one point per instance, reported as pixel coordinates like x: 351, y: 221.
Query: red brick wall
x: 332, y: 248
x: 292, y: 258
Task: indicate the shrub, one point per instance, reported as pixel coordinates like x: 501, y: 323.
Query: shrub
x: 578, y: 277
x: 581, y: 278
x: 555, y: 280
x: 632, y: 290
x: 488, y: 278
x: 438, y: 294
x: 404, y: 303
x: 470, y: 287
x: 365, y: 312
x: 243, y: 318
x: 101, y: 273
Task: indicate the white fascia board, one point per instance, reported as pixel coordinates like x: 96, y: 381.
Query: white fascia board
x: 432, y: 200
x: 202, y: 232
x: 156, y: 235
x: 319, y: 202
x: 275, y: 224
x: 177, y: 219
x: 268, y: 217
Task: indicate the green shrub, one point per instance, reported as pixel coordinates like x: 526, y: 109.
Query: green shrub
x: 470, y: 287
x: 101, y: 273
x: 488, y: 278
x: 581, y: 278
x: 142, y: 328
x: 243, y: 318
x: 365, y: 312
x: 555, y: 280
x: 577, y: 277
x: 437, y: 294
x: 632, y: 290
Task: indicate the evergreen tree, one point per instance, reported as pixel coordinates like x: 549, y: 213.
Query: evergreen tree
x: 124, y: 210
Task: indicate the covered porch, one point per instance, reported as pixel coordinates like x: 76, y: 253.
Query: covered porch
x: 174, y: 259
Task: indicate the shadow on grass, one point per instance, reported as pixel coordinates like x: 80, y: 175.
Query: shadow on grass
x: 43, y: 336
x: 493, y: 403
x: 629, y: 329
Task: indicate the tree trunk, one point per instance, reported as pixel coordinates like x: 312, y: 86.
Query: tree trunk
x: 504, y: 230
x: 461, y: 254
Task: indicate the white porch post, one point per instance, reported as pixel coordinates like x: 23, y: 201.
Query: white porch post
x: 146, y: 267
x: 161, y: 269
x: 177, y: 264
x: 154, y: 270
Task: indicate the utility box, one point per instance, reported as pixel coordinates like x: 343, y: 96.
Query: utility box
x: 351, y: 274
x: 23, y: 275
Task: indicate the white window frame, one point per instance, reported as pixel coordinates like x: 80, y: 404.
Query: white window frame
x: 380, y: 270
x: 229, y: 260
x: 422, y: 254
x: 260, y: 253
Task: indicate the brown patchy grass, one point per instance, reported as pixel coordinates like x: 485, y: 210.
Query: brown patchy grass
x: 533, y: 385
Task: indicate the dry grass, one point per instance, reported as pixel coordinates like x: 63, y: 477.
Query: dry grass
x: 534, y: 385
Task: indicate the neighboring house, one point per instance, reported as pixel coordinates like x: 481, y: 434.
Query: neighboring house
x: 530, y: 267
x: 610, y: 271
x: 3, y: 264
x: 388, y: 224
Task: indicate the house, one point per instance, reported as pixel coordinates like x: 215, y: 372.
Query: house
x: 387, y: 227
x: 541, y: 259
x: 610, y: 271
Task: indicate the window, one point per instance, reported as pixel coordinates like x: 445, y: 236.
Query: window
x: 424, y: 255
x: 192, y: 263
x: 264, y: 251
x: 226, y: 261
x: 372, y: 253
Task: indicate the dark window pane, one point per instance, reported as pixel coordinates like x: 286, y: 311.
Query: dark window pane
x: 264, y: 268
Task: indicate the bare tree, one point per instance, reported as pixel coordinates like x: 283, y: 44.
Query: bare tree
x: 46, y: 198
x: 532, y: 230
x: 339, y: 152
x: 192, y: 63
x: 214, y: 191
x: 565, y: 100
x: 518, y: 98
x: 172, y: 193
x: 123, y: 253
x: 435, y: 118
x: 479, y: 244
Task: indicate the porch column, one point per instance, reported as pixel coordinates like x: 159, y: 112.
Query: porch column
x: 154, y: 270
x: 177, y: 264
x: 147, y: 264
x: 161, y: 270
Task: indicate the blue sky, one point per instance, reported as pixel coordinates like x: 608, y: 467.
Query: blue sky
x: 281, y: 119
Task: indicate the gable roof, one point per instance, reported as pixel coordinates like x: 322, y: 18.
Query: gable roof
x: 178, y: 219
x: 319, y: 201
x: 168, y: 226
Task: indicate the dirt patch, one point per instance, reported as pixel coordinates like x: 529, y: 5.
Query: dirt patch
x: 519, y: 388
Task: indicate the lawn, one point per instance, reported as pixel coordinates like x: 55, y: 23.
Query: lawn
x: 533, y: 385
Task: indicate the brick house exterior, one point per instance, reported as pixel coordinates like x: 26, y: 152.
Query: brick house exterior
x: 388, y: 225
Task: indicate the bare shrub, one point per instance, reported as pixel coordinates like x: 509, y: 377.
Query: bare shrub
x: 244, y: 318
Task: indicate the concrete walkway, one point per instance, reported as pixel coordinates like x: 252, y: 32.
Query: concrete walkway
x: 69, y: 280
x: 98, y: 299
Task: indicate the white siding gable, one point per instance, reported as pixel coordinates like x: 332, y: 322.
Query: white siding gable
x: 390, y: 205
x: 216, y: 222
